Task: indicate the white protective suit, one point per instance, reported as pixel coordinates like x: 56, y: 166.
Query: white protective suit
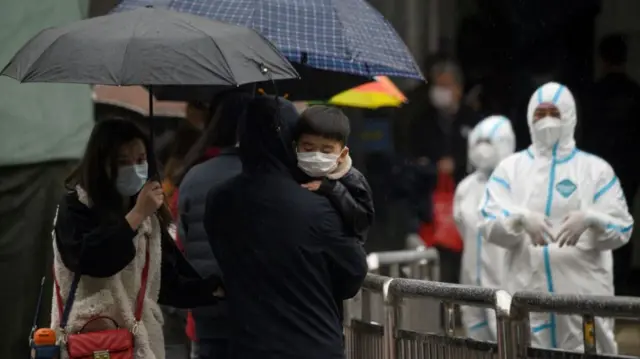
x: 490, y: 141
x: 572, y: 189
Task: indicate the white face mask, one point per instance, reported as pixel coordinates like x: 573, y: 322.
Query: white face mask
x: 317, y: 164
x: 548, y: 131
x: 441, y: 97
x: 131, y: 179
x: 483, y: 156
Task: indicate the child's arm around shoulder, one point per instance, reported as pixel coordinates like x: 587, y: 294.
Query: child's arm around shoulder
x: 351, y: 194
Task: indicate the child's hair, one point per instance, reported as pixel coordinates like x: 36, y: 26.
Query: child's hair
x: 325, y: 121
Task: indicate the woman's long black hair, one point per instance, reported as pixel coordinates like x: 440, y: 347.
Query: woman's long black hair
x: 221, y: 131
x: 97, y: 171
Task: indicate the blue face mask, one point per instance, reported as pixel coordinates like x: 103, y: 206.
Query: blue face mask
x: 131, y: 179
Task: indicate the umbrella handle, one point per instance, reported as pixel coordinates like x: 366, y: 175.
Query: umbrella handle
x: 154, y: 174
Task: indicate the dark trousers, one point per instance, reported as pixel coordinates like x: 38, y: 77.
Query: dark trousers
x: 213, y: 348
x: 176, y: 342
x: 29, y: 196
x: 212, y: 341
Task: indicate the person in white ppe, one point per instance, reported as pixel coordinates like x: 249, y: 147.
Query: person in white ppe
x: 559, y: 212
x: 490, y: 141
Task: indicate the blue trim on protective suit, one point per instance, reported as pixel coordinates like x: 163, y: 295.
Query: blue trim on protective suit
x: 540, y: 95
x: 556, y: 96
x: 480, y: 325
x: 569, y: 157
x: 618, y: 228
x: 496, y: 126
x: 483, y: 210
x: 604, y: 189
x: 501, y: 181
x: 528, y: 151
x: 541, y: 327
x: 478, y: 258
x: 566, y: 159
x: 545, y: 249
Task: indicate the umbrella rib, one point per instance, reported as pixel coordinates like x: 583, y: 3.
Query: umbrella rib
x: 45, y: 52
x: 226, y: 61
x: 349, y: 56
x: 126, y: 51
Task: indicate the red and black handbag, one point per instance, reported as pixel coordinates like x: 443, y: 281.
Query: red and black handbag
x: 115, y: 343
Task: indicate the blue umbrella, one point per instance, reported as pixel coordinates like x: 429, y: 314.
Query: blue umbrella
x: 347, y: 36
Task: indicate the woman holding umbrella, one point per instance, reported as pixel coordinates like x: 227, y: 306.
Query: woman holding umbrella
x: 113, y: 255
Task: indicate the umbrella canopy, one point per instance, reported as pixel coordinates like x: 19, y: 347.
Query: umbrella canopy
x: 136, y: 98
x: 149, y: 47
x: 372, y: 95
x: 346, y: 36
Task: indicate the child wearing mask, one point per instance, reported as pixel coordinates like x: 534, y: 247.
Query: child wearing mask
x: 320, y: 139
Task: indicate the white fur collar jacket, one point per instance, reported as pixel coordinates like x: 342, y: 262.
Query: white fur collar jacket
x: 110, y: 256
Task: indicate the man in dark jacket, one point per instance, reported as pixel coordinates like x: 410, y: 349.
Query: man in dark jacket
x: 283, y: 250
x: 212, y: 327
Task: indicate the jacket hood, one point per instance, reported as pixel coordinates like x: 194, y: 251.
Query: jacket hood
x: 266, y: 136
x: 558, y: 95
x: 498, y: 131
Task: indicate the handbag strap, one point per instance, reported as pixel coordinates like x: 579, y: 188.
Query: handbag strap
x: 36, y: 316
x: 65, y: 310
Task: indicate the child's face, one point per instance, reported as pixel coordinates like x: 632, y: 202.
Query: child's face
x: 315, y: 143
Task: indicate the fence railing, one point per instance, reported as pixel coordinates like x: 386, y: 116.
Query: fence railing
x: 381, y: 322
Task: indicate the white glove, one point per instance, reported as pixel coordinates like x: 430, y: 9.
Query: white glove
x: 573, y: 226
x: 535, y: 224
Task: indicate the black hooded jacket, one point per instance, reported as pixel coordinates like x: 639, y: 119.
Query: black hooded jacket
x: 281, y: 247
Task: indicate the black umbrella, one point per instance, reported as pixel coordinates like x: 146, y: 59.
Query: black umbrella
x: 149, y: 47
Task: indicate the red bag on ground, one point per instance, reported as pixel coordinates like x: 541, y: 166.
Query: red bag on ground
x: 442, y: 232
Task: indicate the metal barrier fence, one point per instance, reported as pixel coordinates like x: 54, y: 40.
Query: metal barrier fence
x: 385, y: 331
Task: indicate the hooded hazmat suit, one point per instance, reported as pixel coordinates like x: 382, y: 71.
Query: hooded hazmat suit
x: 490, y: 141
x: 553, y: 187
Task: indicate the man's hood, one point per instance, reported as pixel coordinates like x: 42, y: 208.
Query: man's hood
x: 559, y: 95
x: 497, y: 129
x: 266, y: 136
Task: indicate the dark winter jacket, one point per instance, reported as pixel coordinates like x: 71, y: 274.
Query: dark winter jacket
x: 191, y: 203
x: 282, y: 248
x: 351, y: 194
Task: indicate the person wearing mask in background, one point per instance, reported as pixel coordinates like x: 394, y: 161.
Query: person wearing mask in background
x: 221, y: 162
x: 283, y: 249
x: 438, y: 138
x: 111, y: 223
x: 438, y: 131
x: 43, y: 131
x: 559, y: 212
x: 176, y: 341
x: 611, y: 131
x: 491, y: 141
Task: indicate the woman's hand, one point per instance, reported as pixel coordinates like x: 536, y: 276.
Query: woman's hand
x: 150, y: 198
